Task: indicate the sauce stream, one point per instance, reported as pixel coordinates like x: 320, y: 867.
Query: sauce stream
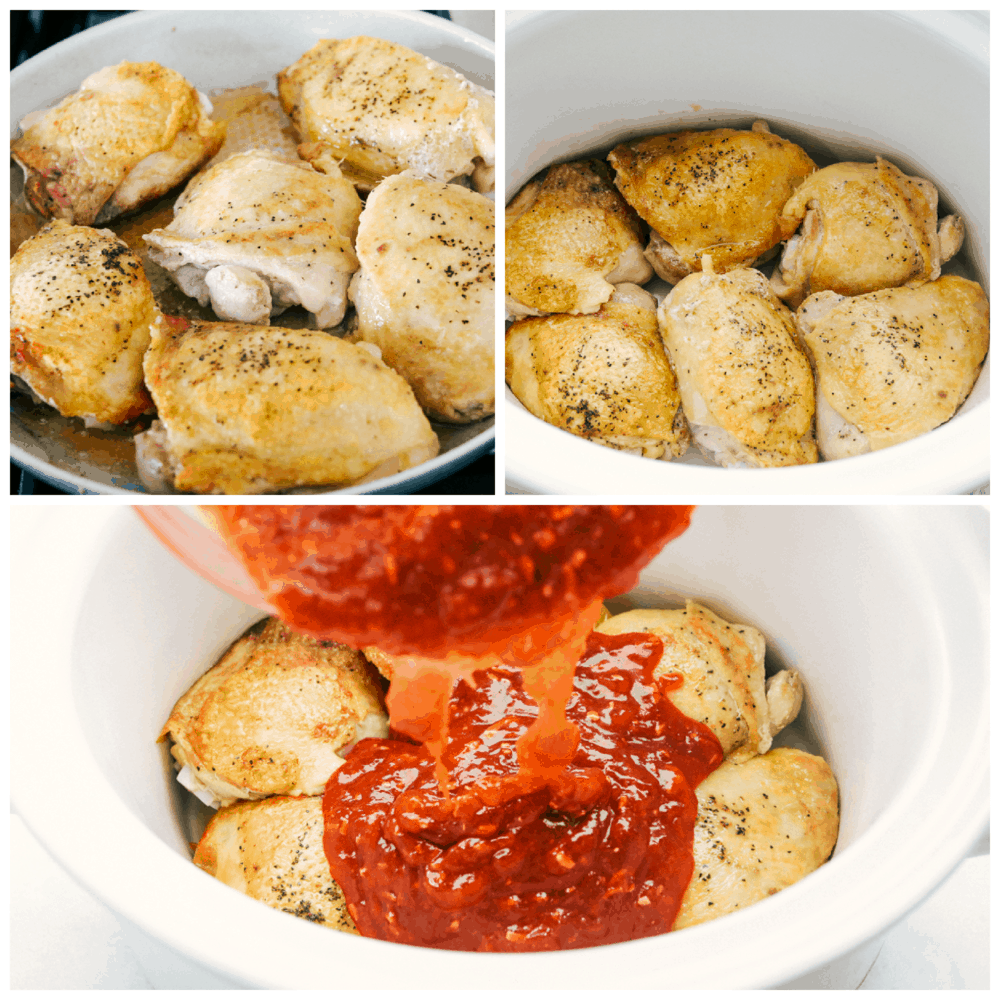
x: 547, y: 799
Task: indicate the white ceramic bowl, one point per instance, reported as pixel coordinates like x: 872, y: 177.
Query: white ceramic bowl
x: 883, y: 609
x: 219, y: 49
x: 913, y: 87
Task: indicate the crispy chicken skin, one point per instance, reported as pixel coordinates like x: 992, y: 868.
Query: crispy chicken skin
x: 272, y: 716
x: 723, y: 669
x: 383, y: 108
x: 424, y: 293
x: 251, y: 409
x: 745, y: 381
x: 290, y: 226
x: 892, y: 364
x: 720, y: 191
x: 865, y: 226
x: 80, y: 314
x: 569, y: 238
x: 273, y: 852
x: 127, y: 136
x: 604, y: 377
x: 762, y: 825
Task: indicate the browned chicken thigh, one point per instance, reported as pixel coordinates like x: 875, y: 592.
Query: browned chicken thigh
x: 723, y: 669
x: 892, y: 364
x: 762, y: 825
x: 273, y: 717
x: 604, y: 377
x: 256, y: 234
x: 272, y: 851
x: 424, y: 293
x: 252, y: 409
x: 81, y: 309
x: 127, y: 136
x: 570, y: 238
x: 865, y: 226
x: 718, y: 192
x: 382, y: 108
x: 745, y: 381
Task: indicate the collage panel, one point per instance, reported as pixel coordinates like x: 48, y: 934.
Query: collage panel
x: 733, y: 269
x: 277, y: 231
x: 740, y: 741
x: 315, y: 746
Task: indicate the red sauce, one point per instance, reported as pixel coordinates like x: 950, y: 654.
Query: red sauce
x: 444, y: 580
x: 542, y: 810
x: 514, y: 861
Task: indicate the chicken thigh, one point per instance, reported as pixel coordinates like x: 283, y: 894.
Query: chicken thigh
x: 762, y: 825
x: 256, y: 234
x: 272, y: 851
x: 424, y: 293
x: 127, y: 136
x: 720, y: 191
x: 81, y: 309
x: 865, y: 226
x: 892, y: 364
x: 382, y: 108
x: 569, y: 239
x: 723, y: 670
x: 273, y: 716
x: 250, y: 409
x: 744, y: 380
x: 604, y: 377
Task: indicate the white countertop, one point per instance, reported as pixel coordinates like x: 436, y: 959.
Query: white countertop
x: 63, y: 938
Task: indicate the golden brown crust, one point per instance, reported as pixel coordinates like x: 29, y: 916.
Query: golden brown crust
x: 739, y: 365
x: 270, y: 716
x: 78, y: 155
x: 253, y: 409
x: 762, y: 825
x: 81, y: 309
x: 867, y: 226
x: 424, y: 292
x: 723, y: 669
x: 719, y: 191
x: 384, y: 108
x: 898, y: 362
x: 273, y: 852
x: 560, y: 250
x: 604, y: 377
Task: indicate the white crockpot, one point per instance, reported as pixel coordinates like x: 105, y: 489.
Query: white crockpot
x: 911, y: 86
x: 884, y: 610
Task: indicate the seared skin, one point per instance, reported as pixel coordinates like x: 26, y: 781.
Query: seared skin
x: 289, y: 224
x: 272, y: 851
x: 383, y: 108
x: 762, y: 825
x: 249, y: 409
x: 569, y: 238
x: 723, y: 670
x: 718, y: 192
x: 80, y: 315
x: 424, y: 293
x: 865, y: 226
x: 86, y: 159
x: 605, y: 378
x: 270, y: 717
x: 745, y: 381
x: 895, y: 363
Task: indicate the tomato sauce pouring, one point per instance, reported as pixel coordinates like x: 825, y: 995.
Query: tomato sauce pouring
x: 549, y: 799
